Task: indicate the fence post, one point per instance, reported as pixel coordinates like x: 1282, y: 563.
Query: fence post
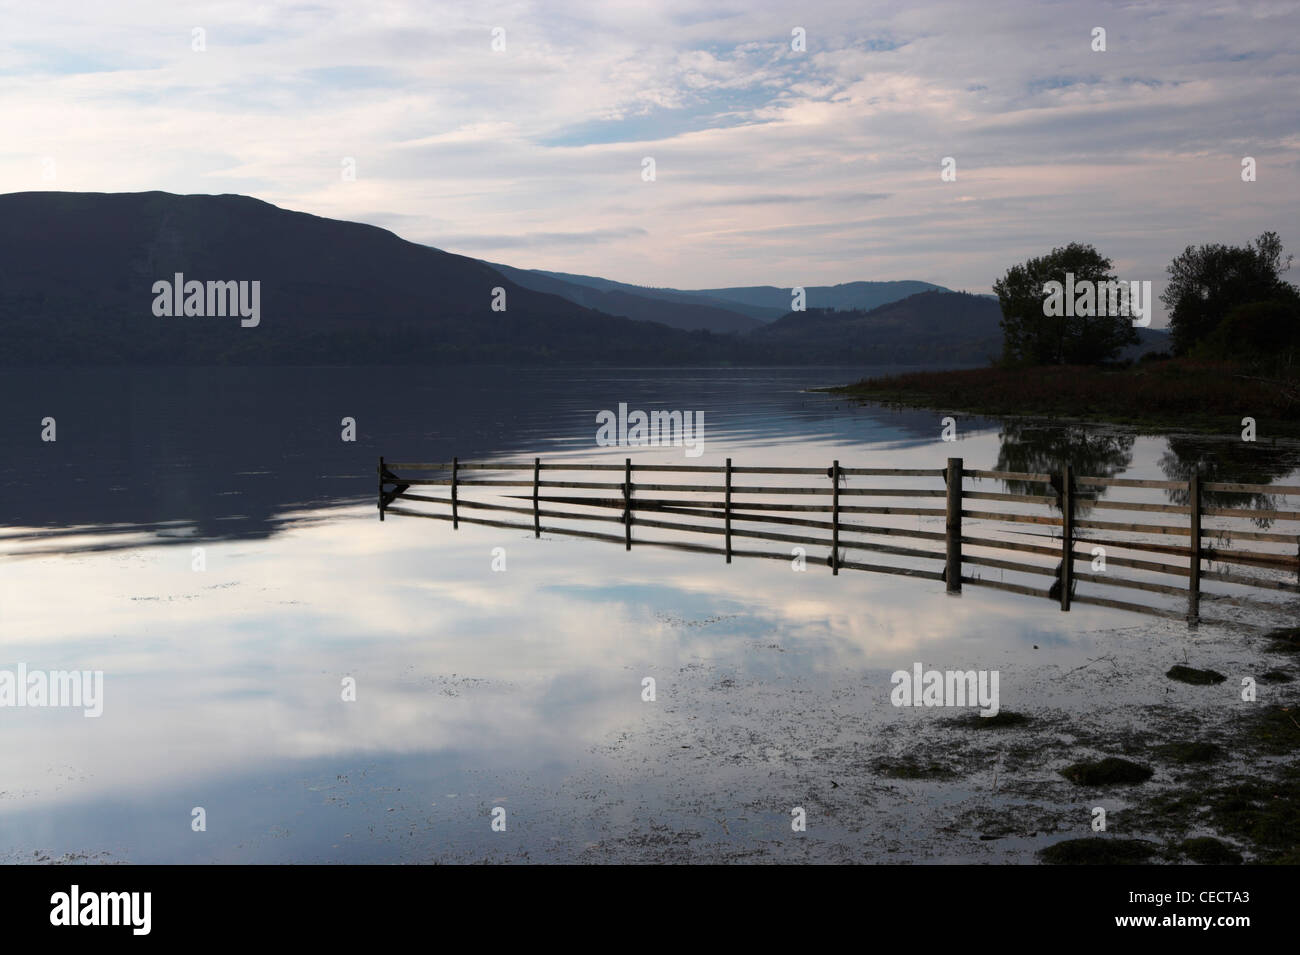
x: 537, y: 515
x: 1067, y: 535
x: 727, y: 510
x: 627, y: 503
x: 1194, y: 578
x: 952, y: 526
x: 835, y: 518
x: 455, y: 518
x: 381, y: 487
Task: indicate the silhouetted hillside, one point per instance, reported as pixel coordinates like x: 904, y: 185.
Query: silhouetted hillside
x: 848, y: 295
x: 682, y: 312
x: 763, y: 302
x: 77, y: 272
x: 928, y: 327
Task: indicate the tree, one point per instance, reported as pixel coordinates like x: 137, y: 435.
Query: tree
x: 1034, y: 332
x: 1259, y: 332
x: 1206, y: 283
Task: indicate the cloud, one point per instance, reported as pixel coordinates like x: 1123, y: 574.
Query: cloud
x: 765, y: 156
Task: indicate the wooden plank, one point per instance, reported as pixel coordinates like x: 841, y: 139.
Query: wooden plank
x: 486, y: 506
x: 537, y: 517
x: 1253, y: 558
x: 835, y: 517
x: 1003, y: 585
x: 1133, y: 528
x: 1129, y: 482
x: 892, y: 472
x: 1012, y: 518
x: 455, y: 524
x: 1194, y: 544
x: 727, y: 504
x: 627, y: 503
x: 892, y: 492
x: 1245, y: 512
x: 1131, y: 607
x: 742, y: 513
x: 1011, y: 565
x: 1028, y: 477
x: 1138, y: 506
x: 898, y: 571
x: 755, y: 506
x: 1278, y: 489
x: 613, y: 486
x: 1017, y: 546
x: 1067, y: 535
x: 1233, y: 533
x: 1281, y: 607
x: 1016, y: 498
x: 753, y: 470
x: 1246, y: 581
x: 1112, y: 581
x: 952, y: 525
x: 461, y: 482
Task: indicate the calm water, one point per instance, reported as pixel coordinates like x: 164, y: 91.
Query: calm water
x: 475, y: 689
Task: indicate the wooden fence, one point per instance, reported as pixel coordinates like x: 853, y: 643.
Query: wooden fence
x: 1056, y: 523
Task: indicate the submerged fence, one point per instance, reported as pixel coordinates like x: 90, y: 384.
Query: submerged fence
x: 1052, y: 520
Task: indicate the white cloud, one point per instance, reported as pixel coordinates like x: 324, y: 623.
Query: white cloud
x: 1136, y: 149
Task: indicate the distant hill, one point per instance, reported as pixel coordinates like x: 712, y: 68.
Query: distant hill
x: 77, y: 272
x: 670, y: 295
x: 683, y: 311
x: 850, y: 295
x: 929, y: 327
x: 766, y: 303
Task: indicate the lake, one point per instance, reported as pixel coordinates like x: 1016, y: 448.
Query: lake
x: 511, y: 696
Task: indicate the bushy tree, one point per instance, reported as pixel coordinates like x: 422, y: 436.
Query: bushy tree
x: 1032, y: 336
x: 1206, y: 283
x: 1267, y: 331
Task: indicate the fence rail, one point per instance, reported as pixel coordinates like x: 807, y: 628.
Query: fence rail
x: 723, y: 509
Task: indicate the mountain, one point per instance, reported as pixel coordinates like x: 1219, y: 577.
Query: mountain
x: 676, y: 312
x: 850, y: 295
x: 81, y: 273
x: 763, y: 302
x: 932, y: 327
x: 78, y: 274
x: 678, y: 296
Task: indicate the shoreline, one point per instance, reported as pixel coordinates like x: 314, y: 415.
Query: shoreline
x: 1165, y: 397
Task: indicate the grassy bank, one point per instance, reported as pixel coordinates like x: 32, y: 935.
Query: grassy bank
x: 1176, y: 394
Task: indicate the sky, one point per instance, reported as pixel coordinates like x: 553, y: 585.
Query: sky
x: 772, y: 165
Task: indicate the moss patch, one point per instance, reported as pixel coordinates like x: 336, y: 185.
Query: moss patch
x: 1266, y: 815
x: 908, y: 767
x: 1194, y: 676
x: 1098, y: 851
x: 1276, y: 730
x: 1111, y: 771
x: 1209, y: 851
x: 1000, y: 720
x: 1285, y: 641
x: 1190, y: 752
